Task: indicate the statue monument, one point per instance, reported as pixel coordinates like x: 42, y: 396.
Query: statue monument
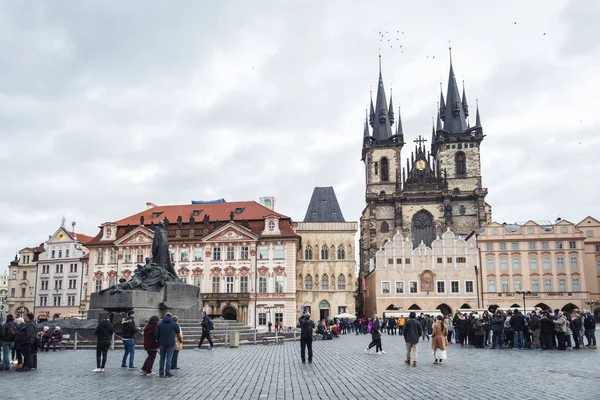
x: 154, y: 288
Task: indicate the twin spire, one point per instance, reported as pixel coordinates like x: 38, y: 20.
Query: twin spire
x: 453, y: 111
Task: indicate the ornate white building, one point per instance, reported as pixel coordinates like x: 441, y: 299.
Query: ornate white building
x: 60, y: 275
x: 441, y: 277
x: 22, y: 273
x: 242, y: 255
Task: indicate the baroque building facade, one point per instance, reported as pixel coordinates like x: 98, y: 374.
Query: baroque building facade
x: 242, y: 255
x: 591, y: 262
x: 326, y: 266
x: 439, y: 188
x: 442, y: 276
x: 3, y: 295
x: 22, y: 275
x: 550, y: 262
x: 60, y: 275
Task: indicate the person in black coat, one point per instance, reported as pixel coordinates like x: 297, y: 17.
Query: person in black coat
x: 26, y: 338
x: 306, y: 336
x: 104, y: 332
x: 547, y: 331
x: 375, y: 338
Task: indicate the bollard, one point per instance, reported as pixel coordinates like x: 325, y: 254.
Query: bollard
x: 256, y: 330
x: 295, y: 331
x: 226, y: 338
x: 112, y: 342
x: 75, y: 342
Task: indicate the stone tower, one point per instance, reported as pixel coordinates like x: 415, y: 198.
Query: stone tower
x: 439, y: 188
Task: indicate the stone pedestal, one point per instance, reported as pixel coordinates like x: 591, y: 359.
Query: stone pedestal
x: 179, y: 299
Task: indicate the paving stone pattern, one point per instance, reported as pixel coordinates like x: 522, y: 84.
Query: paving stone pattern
x: 340, y: 369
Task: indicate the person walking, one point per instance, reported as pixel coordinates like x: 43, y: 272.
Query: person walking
x: 150, y: 345
x: 306, y: 337
x: 9, y: 330
x: 412, y: 333
x: 129, y: 330
x: 438, y: 340
x: 450, y: 327
x: 207, y: 326
x: 375, y: 338
x: 178, y: 345
x: 165, y: 334
x: 26, y: 337
x: 104, y: 332
x: 424, y: 327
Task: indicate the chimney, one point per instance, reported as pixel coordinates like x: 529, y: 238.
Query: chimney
x: 150, y: 205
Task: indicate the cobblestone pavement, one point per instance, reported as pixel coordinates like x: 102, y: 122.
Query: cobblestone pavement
x: 341, y: 369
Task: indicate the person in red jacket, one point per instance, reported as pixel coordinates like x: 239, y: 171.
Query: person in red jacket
x: 150, y: 345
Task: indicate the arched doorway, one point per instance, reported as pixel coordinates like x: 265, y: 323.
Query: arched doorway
x: 465, y: 306
x: 444, y: 309
x: 229, y: 314
x: 414, y: 307
x: 597, y: 314
x: 515, y: 305
x: 492, y: 308
x: 543, y: 306
x: 569, y: 307
x: 423, y: 228
x: 324, y: 310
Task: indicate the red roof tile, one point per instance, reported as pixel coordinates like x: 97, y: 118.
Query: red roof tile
x: 249, y: 211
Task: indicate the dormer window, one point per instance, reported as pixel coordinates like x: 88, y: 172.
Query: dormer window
x: 239, y: 210
x: 196, y: 213
x: 156, y: 214
x: 271, y: 225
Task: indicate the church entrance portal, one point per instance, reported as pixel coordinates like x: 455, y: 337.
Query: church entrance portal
x: 229, y: 314
x: 423, y: 228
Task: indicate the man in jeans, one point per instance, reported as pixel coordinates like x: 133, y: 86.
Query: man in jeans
x: 26, y: 337
x: 206, y: 328
x: 165, y: 334
x: 129, y: 330
x: 412, y: 333
x: 517, y: 323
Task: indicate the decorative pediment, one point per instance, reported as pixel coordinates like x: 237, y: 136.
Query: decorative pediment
x: 98, y: 275
x: 263, y: 271
x: 139, y: 236
x: 60, y: 236
x: 231, y: 232
x: 279, y: 271
x: 197, y: 272
x: 126, y: 273
x: 244, y: 271
x: 112, y: 274
x: 183, y: 271
x: 230, y: 271
x: 216, y: 271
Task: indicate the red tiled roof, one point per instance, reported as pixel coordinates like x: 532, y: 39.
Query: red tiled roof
x: 217, y: 211
x: 251, y: 211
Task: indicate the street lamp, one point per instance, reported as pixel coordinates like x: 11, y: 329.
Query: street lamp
x: 592, y: 304
x: 525, y: 293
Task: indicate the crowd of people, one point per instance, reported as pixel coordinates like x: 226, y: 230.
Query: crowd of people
x: 541, y: 330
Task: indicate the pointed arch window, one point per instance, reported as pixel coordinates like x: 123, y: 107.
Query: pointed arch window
x: 341, y: 253
x: 385, y: 169
x: 308, y: 254
x: 308, y: 282
x: 385, y: 227
x: 324, y: 253
x: 461, y: 164
x: 341, y: 283
x: 325, y: 282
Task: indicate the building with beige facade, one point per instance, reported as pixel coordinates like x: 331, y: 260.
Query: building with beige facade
x: 3, y: 295
x: 551, y: 261
x: 443, y: 276
x: 591, y: 262
x: 326, y: 266
x: 242, y: 255
x: 22, y: 275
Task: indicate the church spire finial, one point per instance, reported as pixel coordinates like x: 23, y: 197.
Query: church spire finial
x: 399, y: 130
x: 366, y: 133
x: 454, y: 118
x: 477, y: 119
x: 465, y: 106
x: 391, y: 110
x: 382, y: 121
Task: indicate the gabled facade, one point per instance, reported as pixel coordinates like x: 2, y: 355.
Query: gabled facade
x: 22, y: 276
x: 443, y: 276
x: 326, y: 263
x: 440, y: 187
x: 60, y: 275
x: 3, y: 295
x: 242, y: 255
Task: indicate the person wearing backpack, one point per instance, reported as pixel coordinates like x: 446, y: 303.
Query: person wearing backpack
x: 9, y: 330
x: 207, y: 326
x: 26, y: 338
x: 589, y: 324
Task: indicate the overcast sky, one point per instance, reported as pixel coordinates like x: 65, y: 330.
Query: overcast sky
x: 107, y: 105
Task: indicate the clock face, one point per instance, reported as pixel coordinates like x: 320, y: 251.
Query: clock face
x: 420, y: 165
x: 271, y: 225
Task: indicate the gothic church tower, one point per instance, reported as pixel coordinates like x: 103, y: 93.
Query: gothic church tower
x: 440, y: 188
